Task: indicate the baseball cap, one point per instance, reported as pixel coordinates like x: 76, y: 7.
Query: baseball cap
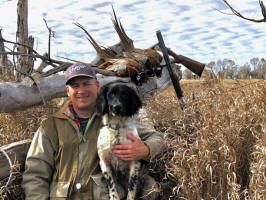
x: 79, y: 69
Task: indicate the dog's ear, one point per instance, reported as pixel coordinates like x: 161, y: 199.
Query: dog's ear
x: 135, y: 103
x: 101, y: 102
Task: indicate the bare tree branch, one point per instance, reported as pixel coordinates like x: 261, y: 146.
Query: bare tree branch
x: 62, y: 67
x: 235, y: 12
x: 44, y: 58
x: 23, y: 54
x: 223, y: 12
x: 14, y: 60
x: 36, y: 54
x: 69, y: 59
x: 43, y: 64
x: 51, y: 34
x: 17, y: 43
x: 263, y: 10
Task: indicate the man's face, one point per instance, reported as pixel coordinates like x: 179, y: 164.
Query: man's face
x: 83, y: 92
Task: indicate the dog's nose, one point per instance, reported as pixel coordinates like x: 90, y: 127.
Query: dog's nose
x: 116, y: 108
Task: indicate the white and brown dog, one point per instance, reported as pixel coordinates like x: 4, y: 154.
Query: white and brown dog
x: 118, y: 102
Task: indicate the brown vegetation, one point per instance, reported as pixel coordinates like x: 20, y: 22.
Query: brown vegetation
x: 15, y: 127
x: 22, y: 125
x: 215, y: 148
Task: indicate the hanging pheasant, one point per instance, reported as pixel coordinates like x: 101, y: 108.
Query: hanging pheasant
x: 148, y: 57
x: 121, y: 65
x: 130, y: 62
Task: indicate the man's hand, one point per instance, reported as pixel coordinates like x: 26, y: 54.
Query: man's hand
x: 137, y: 150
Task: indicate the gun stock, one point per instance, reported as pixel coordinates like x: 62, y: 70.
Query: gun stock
x: 192, y: 65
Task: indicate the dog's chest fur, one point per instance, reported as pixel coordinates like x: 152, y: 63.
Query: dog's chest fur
x: 114, y: 132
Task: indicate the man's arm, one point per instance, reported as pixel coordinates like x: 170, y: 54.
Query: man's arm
x: 39, y: 167
x: 153, y: 139
x: 150, y: 145
x: 136, y: 150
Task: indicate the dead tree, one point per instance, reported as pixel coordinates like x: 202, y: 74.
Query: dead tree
x: 235, y: 12
x: 25, y: 63
x: 3, y: 57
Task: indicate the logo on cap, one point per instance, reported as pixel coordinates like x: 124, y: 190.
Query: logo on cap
x: 77, y: 68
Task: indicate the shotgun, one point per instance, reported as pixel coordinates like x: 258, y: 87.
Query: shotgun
x: 192, y: 65
x: 173, y: 76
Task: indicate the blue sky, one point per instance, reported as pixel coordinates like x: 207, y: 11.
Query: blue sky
x: 192, y: 28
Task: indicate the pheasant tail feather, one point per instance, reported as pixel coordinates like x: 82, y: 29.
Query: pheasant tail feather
x: 98, y: 49
x: 126, y: 42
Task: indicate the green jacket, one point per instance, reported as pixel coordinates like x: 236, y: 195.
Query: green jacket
x: 63, y: 164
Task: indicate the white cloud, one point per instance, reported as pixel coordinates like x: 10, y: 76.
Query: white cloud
x: 193, y: 28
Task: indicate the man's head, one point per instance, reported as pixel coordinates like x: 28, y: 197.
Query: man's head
x: 82, y: 87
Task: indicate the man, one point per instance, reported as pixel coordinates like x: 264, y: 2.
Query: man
x: 62, y: 162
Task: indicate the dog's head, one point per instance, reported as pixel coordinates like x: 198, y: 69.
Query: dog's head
x: 118, y: 99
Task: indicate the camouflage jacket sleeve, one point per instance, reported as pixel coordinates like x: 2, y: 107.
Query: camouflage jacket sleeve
x: 153, y: 139
x: 39, y: 167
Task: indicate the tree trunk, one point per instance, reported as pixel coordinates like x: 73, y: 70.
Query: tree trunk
x: 25, y: 64
x: 3, y: 57
x: 18, y: 96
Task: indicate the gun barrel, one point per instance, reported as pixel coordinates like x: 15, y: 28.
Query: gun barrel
x: 192, y: 65
x: 173, y: 77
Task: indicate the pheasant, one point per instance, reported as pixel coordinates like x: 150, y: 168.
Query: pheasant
x: 149, y: 58
x: 130, y: 61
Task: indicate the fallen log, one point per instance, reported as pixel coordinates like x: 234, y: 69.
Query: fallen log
x: 16, y: 96
x: 13, y: 153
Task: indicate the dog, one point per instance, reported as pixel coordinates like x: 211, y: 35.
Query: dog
x: 118, y: 102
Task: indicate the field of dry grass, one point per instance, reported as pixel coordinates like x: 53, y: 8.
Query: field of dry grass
x: 215, y: 148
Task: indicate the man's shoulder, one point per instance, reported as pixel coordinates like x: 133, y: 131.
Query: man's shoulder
x: 48, y: 126
x: 49, y: 130
x: 47, y: 120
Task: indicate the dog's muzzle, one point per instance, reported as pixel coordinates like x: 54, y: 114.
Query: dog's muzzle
x: 116, y: 109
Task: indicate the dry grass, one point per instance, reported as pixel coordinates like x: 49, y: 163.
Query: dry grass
x: 15, y: 127
x: 22, y: 125
x: 7, y: 75
x: 215, y: 148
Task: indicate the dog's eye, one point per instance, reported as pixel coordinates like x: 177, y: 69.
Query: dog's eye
x: 112, y: 94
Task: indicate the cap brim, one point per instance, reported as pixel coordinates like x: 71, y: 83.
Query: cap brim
x: 79, y: 75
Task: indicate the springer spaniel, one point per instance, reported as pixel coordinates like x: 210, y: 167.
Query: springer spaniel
x: 118, y: 102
